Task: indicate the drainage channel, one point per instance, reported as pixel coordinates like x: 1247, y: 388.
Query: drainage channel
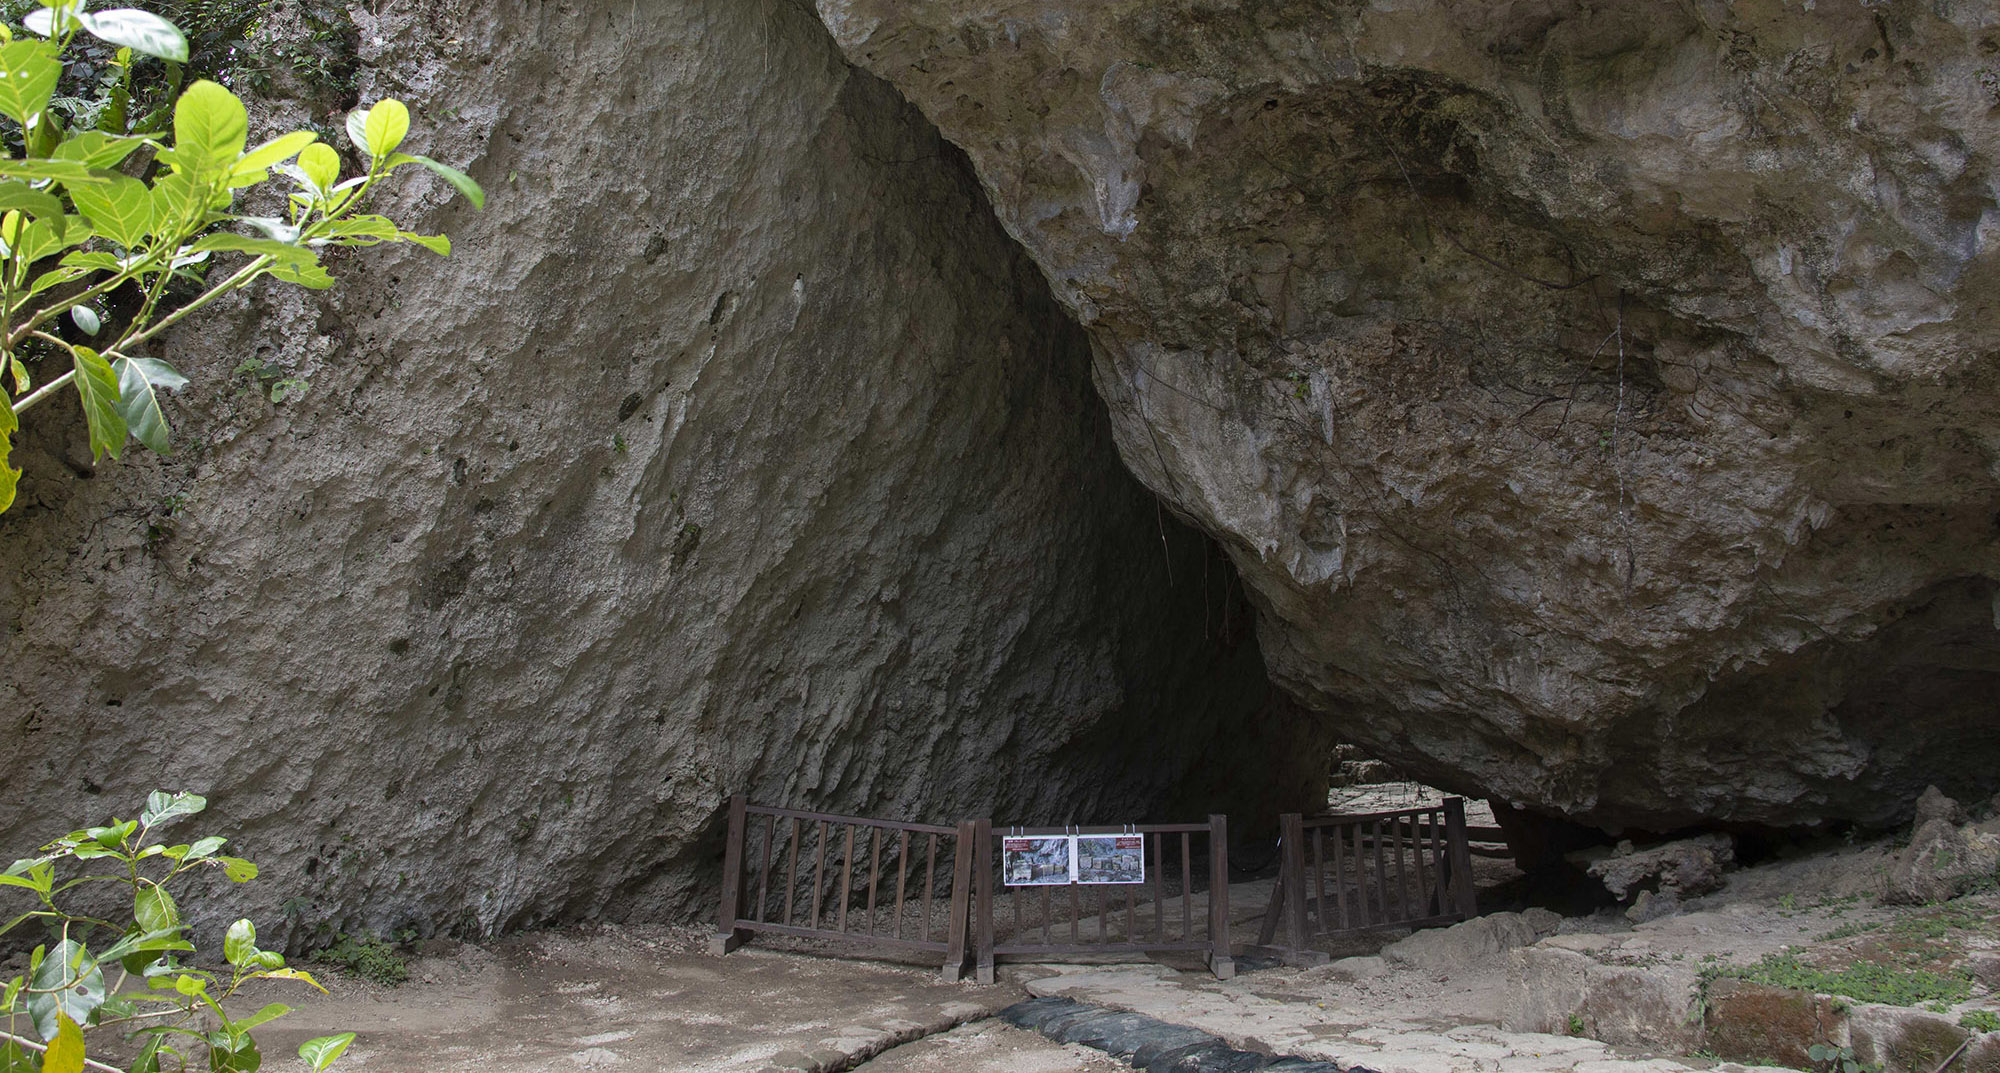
x: 1152, y: 1045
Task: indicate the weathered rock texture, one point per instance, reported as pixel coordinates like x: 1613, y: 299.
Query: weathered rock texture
x: 736, y: 448
x: 1598, y: 399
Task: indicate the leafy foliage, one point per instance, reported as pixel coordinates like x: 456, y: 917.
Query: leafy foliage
x: 97, y: 223
x: 366, y: 957
x: 1867, y: 981
x: 175, y: 1011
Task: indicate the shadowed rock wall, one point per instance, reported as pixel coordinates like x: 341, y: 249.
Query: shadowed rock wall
x: 736, y: 448
x: 1598, y: 400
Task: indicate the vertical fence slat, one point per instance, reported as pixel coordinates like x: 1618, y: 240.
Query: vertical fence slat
x: 1362, y: 917
x: 1075, y: 914
x: 874, y: 872
x: 1159, y: 887
x: 902, y: 874
x: 764, y: 871
x: 792, y: 872
x: 819, y: 874
x: 1402, y: 873
x: 1048, y: 916
x: 846, y: 875
x: 1420, y: 843
x: 983, y: 848
x: 930, y: 881
x: 1318, y: 917
x: 727, y: 938
x: 1381, y: 872
x: 1187, y: 891
x: 1340, y: 876
x: 1461, y: 858
x: 1219, y: 960
x: 962, y: 894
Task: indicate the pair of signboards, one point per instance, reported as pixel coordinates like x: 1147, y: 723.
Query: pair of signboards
x: 1059, y: 860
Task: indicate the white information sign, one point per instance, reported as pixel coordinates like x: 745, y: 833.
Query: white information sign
x: 1040, y: 861
x: 1110, y: 858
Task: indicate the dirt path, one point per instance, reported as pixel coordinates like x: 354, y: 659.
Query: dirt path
x: 628, y: 997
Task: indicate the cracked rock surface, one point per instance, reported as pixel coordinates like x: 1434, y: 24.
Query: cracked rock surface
x: 1598, y: 400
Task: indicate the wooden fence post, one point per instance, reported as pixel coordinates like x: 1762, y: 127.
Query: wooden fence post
x: 982, y: 835
x: 1292, y: 873
x: 1460, y: 850
x: 1219, y: 960
x: 961, y: 902
x: 727, y: 936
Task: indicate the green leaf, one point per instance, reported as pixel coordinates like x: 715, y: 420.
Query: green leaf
x: 97, y: 149
x: 292, y: 974
x: 43, y: 21
x: 148, y: 1060
x: 97, y: 386
x: 154, y: 910
x: 68, y: 983
x: 239, y: 945
x: 238, y: 869
x: 28, y: 74
x: 14, y: 1060
x: 284, y: 147
x: 357, y: 130
x: 313, y: 277
x: 459, y: 180
x: 86, y: 319
x: 21, y: 196
x: 140, y: 31
x: 139, y: 404
x: 65, y: 1053
x: 285, y: 253
x: 162, y: 806
x: 32, y: 240
x: 321, y: 165
x: 385, y: 126
x: 320, y: 1053
x: 71, y: 173
x: 210, y: 129
x: 202, y: 847
x: 233, y: 1053
x: 120, y: 210
x: 269, y: 1013
x: 10, y: 478
x: 437, y: 244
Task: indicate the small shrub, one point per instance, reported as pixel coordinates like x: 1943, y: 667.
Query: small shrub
x: 367, y: 957
x: 1980, y: 1021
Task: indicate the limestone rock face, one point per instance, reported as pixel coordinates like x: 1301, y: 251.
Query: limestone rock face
x: 736, y: 448
x: 1598, y: 400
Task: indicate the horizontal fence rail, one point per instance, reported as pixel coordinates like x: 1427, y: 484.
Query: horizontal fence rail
x: 876, y: 883
x: 1347, y: 874
x: 1182, y: 904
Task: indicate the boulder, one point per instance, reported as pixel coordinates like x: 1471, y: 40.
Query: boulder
x: 1662, y: 876
x: 1597, y: 400
x: 1942, y: 862
x: 1471, y: 943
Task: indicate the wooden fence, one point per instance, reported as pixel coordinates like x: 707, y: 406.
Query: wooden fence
x: 910, y: 886
x: 872, y: 882
x: 1347, y: 874
x: 1181, y: 906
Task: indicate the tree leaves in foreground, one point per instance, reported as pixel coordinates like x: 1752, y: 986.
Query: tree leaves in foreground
x: 174, y: 1012
x: 78, y: 223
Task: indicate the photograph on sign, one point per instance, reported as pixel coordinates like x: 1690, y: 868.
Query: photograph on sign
x: 1037, y: 862
x: 1111, y: 859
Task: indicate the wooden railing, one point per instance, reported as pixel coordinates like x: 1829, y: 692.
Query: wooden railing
x: 1346, y: 874
x: 1158, y: 915
x: 878, y: 883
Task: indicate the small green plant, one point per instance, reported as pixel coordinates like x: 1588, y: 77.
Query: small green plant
x: 1980, y: 1021
x: 367, y: 957
x: 178, y: 1012
x: 1865, y: 981
x: 271, y: 382
x: 84, y: 239
x: 1576, y: 1024
x: 1788, y: 903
